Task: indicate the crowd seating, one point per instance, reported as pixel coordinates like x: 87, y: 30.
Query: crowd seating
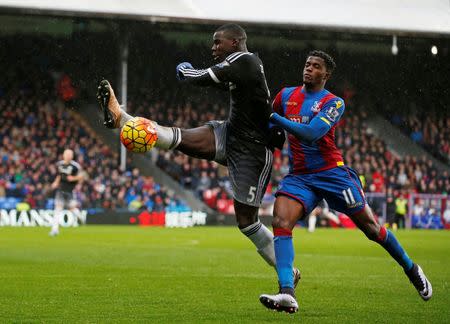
x: 34, y: 133
x: 430, y: 131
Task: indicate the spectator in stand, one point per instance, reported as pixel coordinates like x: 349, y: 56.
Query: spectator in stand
x: 390, y: 207
x: 401, y: 210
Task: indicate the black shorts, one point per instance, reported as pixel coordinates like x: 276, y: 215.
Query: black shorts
x: 64, y: 199
x: 249, y: 164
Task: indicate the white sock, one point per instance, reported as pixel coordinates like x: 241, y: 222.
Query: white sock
x: 55, y: 224
x: 263, y: 240
x: 168, y: 137
x: 312, y: 222
x: 332, y: 217
x: 124, y: 117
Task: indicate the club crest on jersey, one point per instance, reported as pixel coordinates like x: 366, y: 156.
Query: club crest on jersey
x: 316, y: 106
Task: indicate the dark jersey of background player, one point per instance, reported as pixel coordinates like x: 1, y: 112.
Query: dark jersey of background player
x: 65, y: 169
x: 243, y: 74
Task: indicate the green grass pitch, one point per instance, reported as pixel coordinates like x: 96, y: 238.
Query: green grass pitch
x: 127, y: 274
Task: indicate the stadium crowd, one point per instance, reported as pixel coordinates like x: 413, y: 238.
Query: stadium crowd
x: 432, y: 132
x: 33, y: 134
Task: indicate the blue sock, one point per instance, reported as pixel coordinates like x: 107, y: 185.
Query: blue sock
x: 389, y: 242
x: 284, y: 254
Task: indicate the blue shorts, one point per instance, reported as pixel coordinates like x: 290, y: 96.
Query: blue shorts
x: 339, y: 186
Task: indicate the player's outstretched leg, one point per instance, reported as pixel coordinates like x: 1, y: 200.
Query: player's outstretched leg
x: 367, y: 223
x: 115, y: 117
x: 420, y: 282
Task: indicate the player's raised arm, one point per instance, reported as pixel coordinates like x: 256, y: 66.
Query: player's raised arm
x: 235, y: 68
x: 319, y: 125
x: 186, y: 72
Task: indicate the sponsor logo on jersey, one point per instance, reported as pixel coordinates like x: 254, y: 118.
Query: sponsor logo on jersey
x: 299, y: 119
x: 291, y: 103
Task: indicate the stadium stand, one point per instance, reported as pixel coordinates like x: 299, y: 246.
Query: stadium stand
x: 31, y: 147
x: 432, y: 132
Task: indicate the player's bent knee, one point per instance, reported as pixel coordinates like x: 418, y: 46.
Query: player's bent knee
x: 279, y: 222
x: 373, y: 232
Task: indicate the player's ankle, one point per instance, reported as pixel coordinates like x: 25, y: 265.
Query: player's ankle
x: 123, y: 117
x: 288, y: 291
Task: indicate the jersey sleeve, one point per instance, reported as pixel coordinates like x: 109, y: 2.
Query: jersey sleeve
x: 319, y: 125
x: 76, y: 168
x: 277, y: 104
x: 237, y: 67
x: 332, y: 111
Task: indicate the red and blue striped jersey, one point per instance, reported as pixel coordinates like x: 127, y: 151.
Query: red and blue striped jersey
x: 298, y: 105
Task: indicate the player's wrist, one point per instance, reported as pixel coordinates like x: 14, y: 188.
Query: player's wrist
x: 273, y: 116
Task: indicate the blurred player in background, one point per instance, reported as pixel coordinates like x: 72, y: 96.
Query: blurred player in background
x: 310, y: 113
x: 242, y: 143
x: 69, y: 175
x: 321, y: 211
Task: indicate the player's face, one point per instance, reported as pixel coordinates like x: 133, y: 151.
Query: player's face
x: 315, y: 71
x: 68, y: 155
x: 222, y: 46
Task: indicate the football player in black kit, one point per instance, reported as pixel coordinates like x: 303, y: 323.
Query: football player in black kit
x: 242, y: 142
x: 69, y: 174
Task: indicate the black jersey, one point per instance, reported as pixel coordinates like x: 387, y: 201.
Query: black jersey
x: 243, y: 74
x: 64, y: 170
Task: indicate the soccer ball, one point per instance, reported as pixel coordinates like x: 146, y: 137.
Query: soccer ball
x: 138, y: 135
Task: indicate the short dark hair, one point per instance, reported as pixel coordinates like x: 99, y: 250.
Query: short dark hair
x: 233, y: 31
x: 329, y: 62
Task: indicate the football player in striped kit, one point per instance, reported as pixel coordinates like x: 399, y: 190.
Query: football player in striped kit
x: 310, y: 113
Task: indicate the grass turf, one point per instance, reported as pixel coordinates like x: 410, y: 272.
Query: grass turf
x: 211, y: 274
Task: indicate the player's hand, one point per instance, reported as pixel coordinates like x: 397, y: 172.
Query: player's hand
x: 71, y: 178
x: 183, y: 65
x: 277, y: 137
x: 54, y: 185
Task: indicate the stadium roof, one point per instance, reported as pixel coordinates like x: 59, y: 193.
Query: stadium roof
x: 393, y: 16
